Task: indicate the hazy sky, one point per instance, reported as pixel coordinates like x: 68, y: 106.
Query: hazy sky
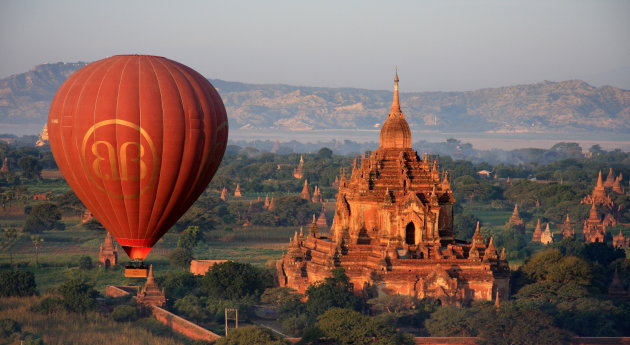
x: 437, y: 44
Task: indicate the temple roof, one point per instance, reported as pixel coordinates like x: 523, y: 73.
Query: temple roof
x: 395, y: 133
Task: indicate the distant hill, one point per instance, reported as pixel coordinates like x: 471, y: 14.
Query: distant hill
x: 566, y: 106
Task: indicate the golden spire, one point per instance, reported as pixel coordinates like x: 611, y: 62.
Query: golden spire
x: 395, y: 102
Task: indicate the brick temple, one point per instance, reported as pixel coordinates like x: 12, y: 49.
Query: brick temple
x: 392, y: 231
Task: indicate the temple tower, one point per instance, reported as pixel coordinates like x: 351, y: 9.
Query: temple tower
x: 537, y: 232
x: 150, y: 293
x: 392, y: 231
x: 610, y: 179
x: 594, y: 230
x: 567, y: 230
x: 515, y: 220
x: 237, y: 191
x: 306, y: 195
x: 108, y: 255
x: 547, y: 236
x: 620, y: 241
x: 298, y: 172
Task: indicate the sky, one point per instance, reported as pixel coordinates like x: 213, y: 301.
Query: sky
x: 438, y: 45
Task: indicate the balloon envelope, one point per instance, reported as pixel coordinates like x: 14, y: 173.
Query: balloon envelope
x: 138, y: 138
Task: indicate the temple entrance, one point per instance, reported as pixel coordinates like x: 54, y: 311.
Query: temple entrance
x: 107, y: 263
x: 410, y: 234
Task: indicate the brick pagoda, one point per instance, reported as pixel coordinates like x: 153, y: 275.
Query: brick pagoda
x: 392, y: 231
x: 108, y: 255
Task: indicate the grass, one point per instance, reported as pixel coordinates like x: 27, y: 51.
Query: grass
x: 65, y: 328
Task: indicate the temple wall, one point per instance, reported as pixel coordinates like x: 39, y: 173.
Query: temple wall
x: 183, y: 326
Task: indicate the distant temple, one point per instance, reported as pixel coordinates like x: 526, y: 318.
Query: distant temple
x: 237, y: 191
x: 43, y: 137
x: 515, y: 220
x: 393, y: 231
x: 616, y: 287
x: 298, y: 172
x: 306, y: 195
x: 224, y: 194
x: 620, y: 241
x: 86, y: 217
x: 599, y: 195
x: 537, y: 232
x: 594, y: 229
x: 567, y: 230
x: 150, y: 293
x: 547, y: 236
x: 610, y: 179
x: 5, y: 165
x: 108, y: 255
x: 322, y: 223
x: 617, y: 186
x: 317, y: 196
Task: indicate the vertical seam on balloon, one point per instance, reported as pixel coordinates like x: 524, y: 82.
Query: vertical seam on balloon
x: 122, y: 73
x: 137, y: 225
x: 171, y: 202
x: 157, y: 182
x: 184, y: 71
x: 79, y: 183
x: 98, y: 200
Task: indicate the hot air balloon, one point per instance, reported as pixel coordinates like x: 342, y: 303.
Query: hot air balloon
x: 138, y: 138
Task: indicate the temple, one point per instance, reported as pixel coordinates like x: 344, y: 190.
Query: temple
x: 594, y: 229
x: 298, y: 172
x: 547, y: 236
x: 516, y: 221
x: 150, y: 293
x: 567, y: 230
x: 392, y: 231
x: 108, y: 255
x: 537, y: 235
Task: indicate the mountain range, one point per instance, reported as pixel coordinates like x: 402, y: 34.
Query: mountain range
x: 566, y: 106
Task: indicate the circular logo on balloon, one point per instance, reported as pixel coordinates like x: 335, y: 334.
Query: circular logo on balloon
x: 119, y: 158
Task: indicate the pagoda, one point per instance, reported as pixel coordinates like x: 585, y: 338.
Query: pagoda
x: 150, y: 293
x: 620, y: 241
x: 317, y: 196
x: 392, y: 231
x: 515, y: 220
x: 298, y: 172
x: 224, y: 194
x: 567, y: 230
x: 610, y: 179
x: 108, y: 255
x: 599, y: 196
x: 5, y: 165
x: 306, y: 195
x: 321, y: 220
x: 594, y: 230
x: 617, y: 186
x: 616, y: 287
x: 537, y: 232
x: 237, y: 191
x: 547, y: 236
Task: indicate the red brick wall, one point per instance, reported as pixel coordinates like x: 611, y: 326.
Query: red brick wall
x: 183, y: 326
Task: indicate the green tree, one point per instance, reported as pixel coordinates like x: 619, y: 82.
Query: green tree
x: 30, y: 167
x: 85, y: 263
x: 232, y: 280
x: 348, y: 327
x: 78, y: 295
x: 8, y: 327
x: 37, y: 242
x: 43, y: 217
x: 280, y: 295
x: 464, y: 225
x: 17, y: 283
x: 450, y: 321
x: 181, y: 257
x: 335, y: 291
x: 125, y: 313
x: 250, y: 335
x: 189, y: 238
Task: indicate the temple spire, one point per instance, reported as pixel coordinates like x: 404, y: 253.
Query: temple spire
x: 395, y: 102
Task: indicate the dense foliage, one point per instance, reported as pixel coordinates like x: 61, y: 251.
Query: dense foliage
x: 17, y: 283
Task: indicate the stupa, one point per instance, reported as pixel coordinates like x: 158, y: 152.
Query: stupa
x: 392, y: 231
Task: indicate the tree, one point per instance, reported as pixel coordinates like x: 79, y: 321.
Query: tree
x: 324, y: 153
x: 30, y: 166
x: 347, y: 327
x: 78, y: 295
x: 250, y: 335
x: 512, y: 326
x: 280, y: 295
x: 43, y: 217
x: 189, y: 238
x: 232, y: 280
x: 8, y: 327
x: 335, y: 291
x: 181, y: 257
x: 17, y: 283
x: 85, y: 262
x: 125, y: 313
x: 464, y: 226
x: 450, y: 321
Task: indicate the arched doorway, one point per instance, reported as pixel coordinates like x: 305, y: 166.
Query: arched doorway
x: 410, y: 234
x: 107, y: 263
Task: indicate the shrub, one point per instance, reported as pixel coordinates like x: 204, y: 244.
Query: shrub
x: 48, y: 305
x: 8, y: 327
x: 17, y: 283
x: 85, y: 262
x: 125, y: 313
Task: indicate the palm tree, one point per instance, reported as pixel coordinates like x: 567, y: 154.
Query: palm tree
x: 37, y: 241
x: 10, y: 234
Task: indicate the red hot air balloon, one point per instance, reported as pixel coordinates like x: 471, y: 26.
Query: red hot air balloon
x: 138, y: 138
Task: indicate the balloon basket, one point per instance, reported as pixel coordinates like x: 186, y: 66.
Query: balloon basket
x: 136, y: 271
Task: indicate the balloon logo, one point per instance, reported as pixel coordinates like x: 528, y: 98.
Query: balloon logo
x: 138, y: 138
